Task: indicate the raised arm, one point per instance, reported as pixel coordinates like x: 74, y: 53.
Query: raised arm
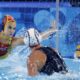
x: 50, y: 31
x: 32, y: 37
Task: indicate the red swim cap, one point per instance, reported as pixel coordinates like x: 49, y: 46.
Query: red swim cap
x: 8, y: 18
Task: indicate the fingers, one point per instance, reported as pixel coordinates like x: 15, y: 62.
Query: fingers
x: 53, y: 25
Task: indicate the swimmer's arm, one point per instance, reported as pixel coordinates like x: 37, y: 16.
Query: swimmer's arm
x: 17, y: 42
x: 44, y: 35
x: 47, y: 33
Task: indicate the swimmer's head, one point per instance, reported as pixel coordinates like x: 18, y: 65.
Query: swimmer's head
x: 9, y: 25
x: 78, y: 51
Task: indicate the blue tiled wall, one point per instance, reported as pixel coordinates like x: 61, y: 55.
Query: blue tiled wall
x: 40, y: 18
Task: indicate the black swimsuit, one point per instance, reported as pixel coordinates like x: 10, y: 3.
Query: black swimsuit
x: 54, y: 62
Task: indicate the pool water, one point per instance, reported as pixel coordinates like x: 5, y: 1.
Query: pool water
x: 19, y: 72
x: 14, y: 67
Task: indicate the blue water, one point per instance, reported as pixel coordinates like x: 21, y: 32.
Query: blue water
x: 19, y: 72
x: 14, y: 67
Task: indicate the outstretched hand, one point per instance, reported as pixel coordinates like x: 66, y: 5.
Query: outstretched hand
x: 53, y: 25
x: 50, y: 31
